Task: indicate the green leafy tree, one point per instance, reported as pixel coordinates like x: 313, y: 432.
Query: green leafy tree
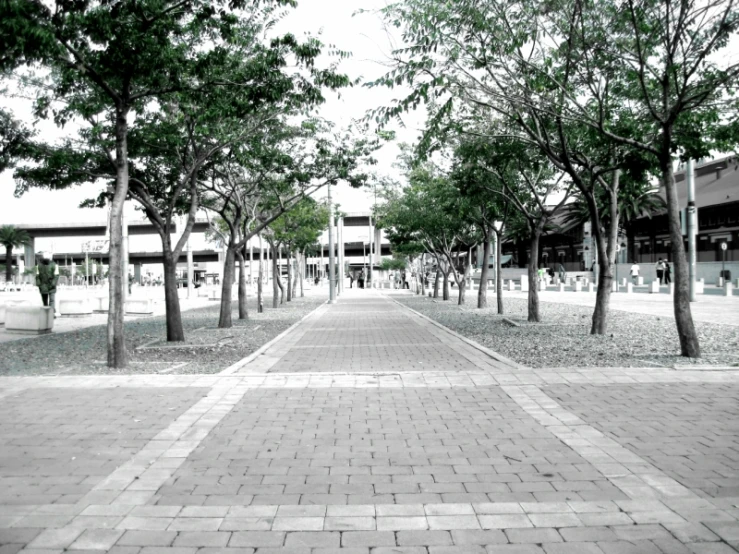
x: 11, y: 237
x: 298, y: 229
x: 118, y: 60
x: 14, y: 138
x: 525, y: 179
x: 268, y: 175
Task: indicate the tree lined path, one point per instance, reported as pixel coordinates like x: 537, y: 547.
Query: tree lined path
x: 366, y: 429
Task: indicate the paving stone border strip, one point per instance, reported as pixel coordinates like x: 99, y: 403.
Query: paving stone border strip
x: 288, y: 337
x: 494, y: 355
x: 634, y: 476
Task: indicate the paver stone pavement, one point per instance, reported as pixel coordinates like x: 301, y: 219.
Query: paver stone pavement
x: 369, y: 429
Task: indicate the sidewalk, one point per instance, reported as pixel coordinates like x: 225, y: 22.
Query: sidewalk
x: 722, y: 310
x: 366, y: 429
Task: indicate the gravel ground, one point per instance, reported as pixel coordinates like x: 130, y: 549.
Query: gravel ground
x: 563, y: 339
x: 84, y: 351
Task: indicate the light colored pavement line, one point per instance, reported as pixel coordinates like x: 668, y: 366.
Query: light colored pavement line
x: 135, y: 482
x: 438, y: 379
x: 500, y: 362
x: 620, y: 514
x: 633, y: 475
x: 270, y: 353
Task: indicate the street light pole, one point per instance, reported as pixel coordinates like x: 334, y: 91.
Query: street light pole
x: 331, y: 269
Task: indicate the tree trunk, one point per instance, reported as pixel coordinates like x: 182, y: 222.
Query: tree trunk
x: 462, y: 283
x: 482, y: 291
x: 301, y: 269
x: 260, y: 271
x: 437, y: 279
x: 296, y: 273
x: 224, y: 320
x: 276, y: 284
x: 606, y: 258
x: 175, y: 332
x: 534, y: 315
x: 279, y: 275
x: 289, y: 284
x: 689, y: 345
x: 498, y: 273
x: 243, y: 306
x: 445, y: 291
x: 8, y: 263
x: 116, y: 342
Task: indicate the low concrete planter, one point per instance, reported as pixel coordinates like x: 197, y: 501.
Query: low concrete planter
x: 100, y: 304
x: 74, y: 307
x: 29, y: 320
x: 140, y: 306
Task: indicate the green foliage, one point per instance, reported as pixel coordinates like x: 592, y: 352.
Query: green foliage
x: 397, y: 262
x: 301, y: 226
x: 12, y: 237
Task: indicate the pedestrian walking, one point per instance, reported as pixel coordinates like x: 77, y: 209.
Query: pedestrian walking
x: 659, y: 267
x: 634, y: 271
x: 562, y: 273
x: 668, y: 273
x: 351, y: 280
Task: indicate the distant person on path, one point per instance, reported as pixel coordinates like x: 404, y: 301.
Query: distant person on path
x: 46, y: 280
x: 659, y: 267
x: 351, y: 280
x: 634, y: 271
x: 668, y: 273
x: 562, y: 273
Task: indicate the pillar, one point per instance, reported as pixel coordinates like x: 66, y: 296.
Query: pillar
x: 340, y: 240
x: 29, y: 254
x: 137, y: 273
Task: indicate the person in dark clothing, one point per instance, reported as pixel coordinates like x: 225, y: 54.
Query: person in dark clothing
x: 46, y: 280
x: 667, y: 273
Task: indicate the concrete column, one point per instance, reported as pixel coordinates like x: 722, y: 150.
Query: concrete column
x: 137, y: 273
x: 29, y: 254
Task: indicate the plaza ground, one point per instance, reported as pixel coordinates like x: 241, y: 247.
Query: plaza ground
x: 369, y: 429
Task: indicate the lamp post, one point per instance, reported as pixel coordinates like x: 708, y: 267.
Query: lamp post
x: 723, y: 262
x: 331, y: 268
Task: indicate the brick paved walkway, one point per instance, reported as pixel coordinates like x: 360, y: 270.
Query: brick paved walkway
x: 367, y: 429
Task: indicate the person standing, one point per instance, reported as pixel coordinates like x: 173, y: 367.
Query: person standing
x: 46, y: 280
x: 562, y: 273
x: 668, y: 273
x: 634, y: 271
x: 351, y: 280
x: 660, y: 269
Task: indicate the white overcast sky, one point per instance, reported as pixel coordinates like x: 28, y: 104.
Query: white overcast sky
x: 363, y: 35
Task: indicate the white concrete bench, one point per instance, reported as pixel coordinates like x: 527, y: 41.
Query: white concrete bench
x: 29, y: 320
x: 74, y: 307
x: 654, y: 287
x: 140, y: 306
